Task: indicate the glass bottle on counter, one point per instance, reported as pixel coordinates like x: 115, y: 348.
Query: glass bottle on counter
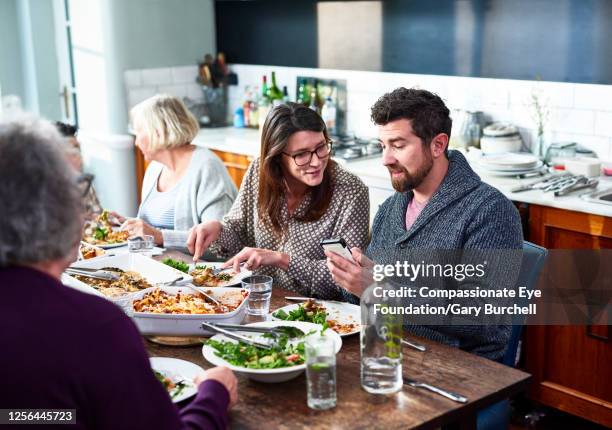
x: 246, y: 106
x: 303, y: 97
x: 274, y: 93
x: 328, y: 113
x: 254, y: 108
x: 264, y: 103
x: 314, y: 104
x: 381, y: 335
x: 285, y: 94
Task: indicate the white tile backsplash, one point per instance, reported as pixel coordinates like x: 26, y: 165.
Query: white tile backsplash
x: 133, y: 78
x: 573, y: 121
x: 179, y: 90
x: 578, y: 112
x: 160, y: 76
x: 603, y: 123
x: 595, y: 97
x: 184, y: 74
x: 136, y: 95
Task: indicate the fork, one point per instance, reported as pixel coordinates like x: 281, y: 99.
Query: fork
x: 217, y: 270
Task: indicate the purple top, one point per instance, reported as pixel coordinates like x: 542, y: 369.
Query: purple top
x: 69, y: 350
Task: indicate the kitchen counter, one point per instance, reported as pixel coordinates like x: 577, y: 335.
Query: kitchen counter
x: 246, y: 142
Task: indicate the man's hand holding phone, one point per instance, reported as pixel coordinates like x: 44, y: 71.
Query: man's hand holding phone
x: 350, y: 269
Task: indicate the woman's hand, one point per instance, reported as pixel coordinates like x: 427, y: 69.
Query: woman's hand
x: 115, y: 218
x: 137, y: 227
x: 255, y: 258
x: 201, y: 236
x: 224, y: 376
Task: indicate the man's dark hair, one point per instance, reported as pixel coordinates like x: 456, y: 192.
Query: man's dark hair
x: 427, y: 112
x: 65, y: 130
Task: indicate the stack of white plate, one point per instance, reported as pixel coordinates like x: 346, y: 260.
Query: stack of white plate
x: 510, y: 164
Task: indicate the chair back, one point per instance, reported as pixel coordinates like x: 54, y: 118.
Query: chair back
x: 534, y: 257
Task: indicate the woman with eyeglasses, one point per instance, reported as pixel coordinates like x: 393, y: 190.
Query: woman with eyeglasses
x: 291, y: 198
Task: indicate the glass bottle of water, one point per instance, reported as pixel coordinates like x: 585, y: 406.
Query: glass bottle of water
x: 381, y: 335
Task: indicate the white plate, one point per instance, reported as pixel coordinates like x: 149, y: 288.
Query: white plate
x: 504, y: 169
x: 113, y: 245
x: 513, y: 173
x: 186, y: 324
x: 177, y: 369
x: 153, y: 271
x: 235, y: 280
x: 344, y: 313
x: 268, y: 375
x: 509, y: 160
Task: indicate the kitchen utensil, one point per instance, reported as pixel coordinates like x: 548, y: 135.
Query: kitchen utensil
x: 298, y: 299
x: 277, y: 330
x: 581, y: 184
x: 232, y: 335
x: 106, y: 275
x: 448, y: 394
x: 414, y: 345
x: 209, y: 297
x: 541, y: 183
x: 170, y: 283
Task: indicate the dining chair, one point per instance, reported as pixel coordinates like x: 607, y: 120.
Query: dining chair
x: 497, y: 416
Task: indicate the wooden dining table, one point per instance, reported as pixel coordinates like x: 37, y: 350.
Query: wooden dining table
x: 283, y: 405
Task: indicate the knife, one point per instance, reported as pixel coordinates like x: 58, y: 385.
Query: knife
x: 448, y: 394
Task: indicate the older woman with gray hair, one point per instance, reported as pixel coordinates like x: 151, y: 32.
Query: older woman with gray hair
x: 80, y: 351
x: 184, y: 185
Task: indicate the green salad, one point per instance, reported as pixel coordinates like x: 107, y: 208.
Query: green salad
x: 184, y: 267
x: 308, y: 311
x: 282, y: 354
x: 178, y: 265
x: 174, y: 389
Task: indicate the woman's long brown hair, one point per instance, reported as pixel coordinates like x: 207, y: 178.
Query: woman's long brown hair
x: 282, y: 121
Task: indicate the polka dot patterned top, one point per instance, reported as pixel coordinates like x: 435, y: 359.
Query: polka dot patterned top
x: 347, y: 217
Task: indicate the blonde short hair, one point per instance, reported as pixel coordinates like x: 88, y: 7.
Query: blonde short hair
x: 166, y: 121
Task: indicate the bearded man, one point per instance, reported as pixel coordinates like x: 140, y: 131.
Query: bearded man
x: 439, y: 204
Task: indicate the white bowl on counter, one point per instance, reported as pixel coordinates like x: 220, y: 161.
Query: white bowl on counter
x: 187, y: 324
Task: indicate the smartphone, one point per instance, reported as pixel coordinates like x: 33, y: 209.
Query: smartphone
x: 338, y: 246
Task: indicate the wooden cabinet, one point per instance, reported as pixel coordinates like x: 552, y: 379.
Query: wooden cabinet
x: 236, y: 164
x: 571, y: 365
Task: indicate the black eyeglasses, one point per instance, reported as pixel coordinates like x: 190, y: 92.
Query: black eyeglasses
x: 303, y: 158
x: 84, y: 181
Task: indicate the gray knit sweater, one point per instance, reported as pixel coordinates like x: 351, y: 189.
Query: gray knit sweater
x: 464, y: 213
x: 206, y: 193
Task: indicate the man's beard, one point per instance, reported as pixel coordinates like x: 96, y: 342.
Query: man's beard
x: 407, y: 181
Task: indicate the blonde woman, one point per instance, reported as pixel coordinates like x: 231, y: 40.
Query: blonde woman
x: 183, y: 185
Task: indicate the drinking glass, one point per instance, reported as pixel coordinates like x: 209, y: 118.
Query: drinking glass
x: 320, y: 371
x: 260, y: 292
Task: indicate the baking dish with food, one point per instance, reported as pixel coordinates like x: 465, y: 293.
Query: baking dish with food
x: 188, y: 324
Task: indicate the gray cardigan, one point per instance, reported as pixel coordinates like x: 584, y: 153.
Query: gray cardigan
x: 463, y: 214
x: 206, y: 193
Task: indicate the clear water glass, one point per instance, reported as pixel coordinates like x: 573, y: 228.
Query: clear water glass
x: 260, y: 292
x: 143, y: 245
x: 320, y: 371
x: 381, y: 349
